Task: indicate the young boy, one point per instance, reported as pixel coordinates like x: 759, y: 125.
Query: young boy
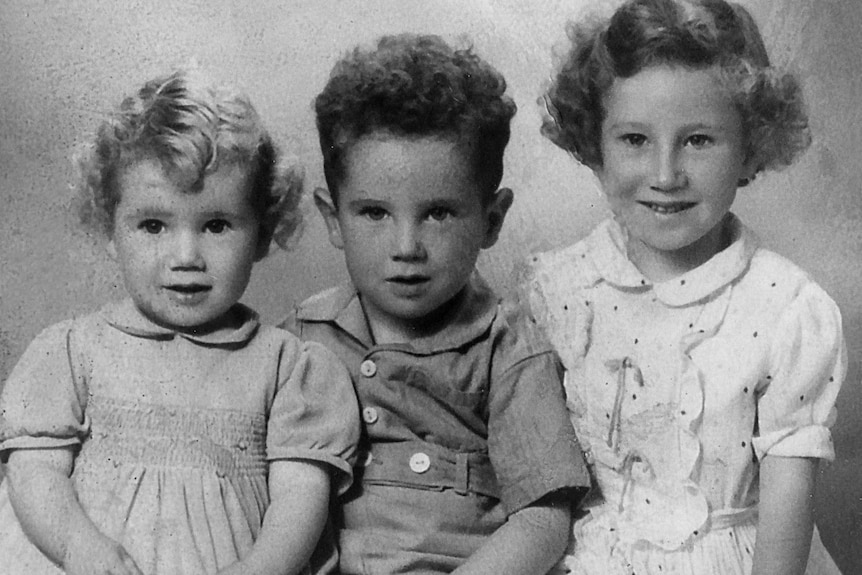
x: 468, y: 452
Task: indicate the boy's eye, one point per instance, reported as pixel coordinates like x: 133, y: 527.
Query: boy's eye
x: 216, y: 226
x: 699, y: 140
x: 373, y: 213
x: 439, y: 214
x: 634, y: 140
x: 151, y: 226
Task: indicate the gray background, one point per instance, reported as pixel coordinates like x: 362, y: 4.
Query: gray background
x: 64, y: 63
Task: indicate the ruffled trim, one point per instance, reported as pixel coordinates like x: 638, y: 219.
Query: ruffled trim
x: 649, y: 490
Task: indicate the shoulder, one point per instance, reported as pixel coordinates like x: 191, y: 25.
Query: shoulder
x: 567, y: 261
x: 557, y: 274
x: 516, y: 334
x: 774, y: 281
x: 76, y: 331
x: 324, y: 304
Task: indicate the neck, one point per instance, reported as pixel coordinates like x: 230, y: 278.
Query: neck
x: 663, y: 265
x: 387, y: 330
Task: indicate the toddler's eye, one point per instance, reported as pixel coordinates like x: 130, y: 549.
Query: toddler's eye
x: 634, y: 140
x: 699, y: 140
x: 439, y: 214
x: 373, y: 213
x: 151, y: 226
x: 216, y: 226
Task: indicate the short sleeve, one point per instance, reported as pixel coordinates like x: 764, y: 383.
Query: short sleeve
x: 808, y: 362
x: 531, y: 441
x: 315, y: 414
x: 44, y: 399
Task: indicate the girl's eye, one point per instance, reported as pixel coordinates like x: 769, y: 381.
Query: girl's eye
x: 216, y: 226
x: 373, y: 213
x: 634, y: 140
x: 152, y: 226
x: 439, y: 214
x: 699, y: 140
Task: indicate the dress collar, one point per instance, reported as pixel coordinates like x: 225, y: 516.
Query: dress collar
x: 126, y: 317
x: 476, y: 310
x: 606, y: 248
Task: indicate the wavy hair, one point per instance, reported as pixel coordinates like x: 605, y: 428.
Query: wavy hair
x: 191, y: 128
x: 415, y: 85
x: 699, y: 34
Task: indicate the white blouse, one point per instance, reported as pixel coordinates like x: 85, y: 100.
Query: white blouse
x: 678, y: 389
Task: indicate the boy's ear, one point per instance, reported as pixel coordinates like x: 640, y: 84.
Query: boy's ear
x: 327, y: 209
x: 495, y: 214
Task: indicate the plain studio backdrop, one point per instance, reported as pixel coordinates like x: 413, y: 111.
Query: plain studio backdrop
x: 64, y: 64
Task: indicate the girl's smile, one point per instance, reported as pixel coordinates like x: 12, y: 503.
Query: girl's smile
x: 673, y: 156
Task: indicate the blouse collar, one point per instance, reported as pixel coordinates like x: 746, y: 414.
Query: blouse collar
x: 126, y: 317
x: 606, y: 248
x: 475, y: 312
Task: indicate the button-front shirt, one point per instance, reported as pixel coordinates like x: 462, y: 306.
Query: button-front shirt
x: 476, y: 408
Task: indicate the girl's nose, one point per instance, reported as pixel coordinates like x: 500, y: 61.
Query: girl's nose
x: 408, y: 243
x: 185, y: 252
x: 668, y: 173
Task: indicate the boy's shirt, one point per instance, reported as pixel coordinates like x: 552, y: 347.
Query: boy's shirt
x: 477, y: 407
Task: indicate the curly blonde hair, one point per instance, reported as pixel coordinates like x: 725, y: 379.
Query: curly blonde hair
x: 191, y: 128
x: 699, y: 34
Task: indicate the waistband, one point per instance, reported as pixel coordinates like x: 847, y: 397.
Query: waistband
x: 427, y: 465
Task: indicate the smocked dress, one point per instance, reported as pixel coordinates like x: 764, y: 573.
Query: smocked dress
x: 174, y: 432
x: 678, y: 389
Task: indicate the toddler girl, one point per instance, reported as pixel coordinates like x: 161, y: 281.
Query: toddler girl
x: 702, y: 369
x: 140, y: 438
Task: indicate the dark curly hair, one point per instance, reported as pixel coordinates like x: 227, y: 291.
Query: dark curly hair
x: 699, y: 34
x: 191, y: 128
x: 415, y: 85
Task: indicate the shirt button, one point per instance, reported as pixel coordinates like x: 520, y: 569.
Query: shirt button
x: 369, y: 415
x: 420, y: 462
x: 368, y: 368
x: 367, y: 459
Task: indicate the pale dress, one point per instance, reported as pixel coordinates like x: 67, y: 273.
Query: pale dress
x: 174, y: 430
x: 678, y: 389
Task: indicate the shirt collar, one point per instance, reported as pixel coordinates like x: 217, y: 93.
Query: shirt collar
x: 126, y: 317
x: 607, y: 252
x: 475, y: 311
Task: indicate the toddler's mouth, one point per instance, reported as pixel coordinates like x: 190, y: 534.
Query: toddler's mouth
x: 668, y: 208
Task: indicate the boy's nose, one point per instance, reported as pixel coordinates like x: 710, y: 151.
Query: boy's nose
x: 668, y: 172
x: 185, y: 252
x: 408, y: 243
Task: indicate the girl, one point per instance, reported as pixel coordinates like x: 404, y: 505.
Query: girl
x: 139, y: 438
x: 702, y: 369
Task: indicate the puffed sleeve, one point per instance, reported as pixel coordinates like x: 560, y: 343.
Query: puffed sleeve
x: 315, y: 414
x: 808, y: 362
x: 44, y: 399
x: 531, y: 442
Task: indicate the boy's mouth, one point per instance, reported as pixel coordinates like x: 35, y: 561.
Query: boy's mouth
x: 188, y: 289
x: 409, y: 280
x: 668, y: 208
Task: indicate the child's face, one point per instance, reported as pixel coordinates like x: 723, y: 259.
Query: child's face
x: 411, y: 222
x: 186, y: 258
x: 673, y: 154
